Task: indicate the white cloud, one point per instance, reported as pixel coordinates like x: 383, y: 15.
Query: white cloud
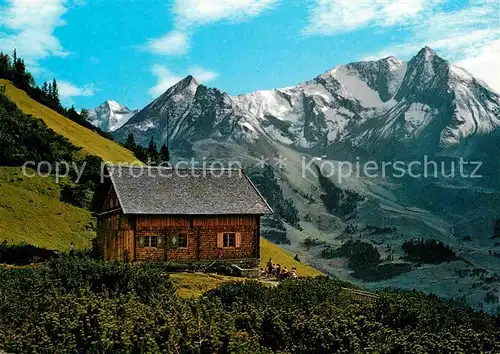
x: 327, y: 17
x: 190, y: 14
x: 202, y: 75
x: 485, y: 64
x: 29, y: 27
x: 467, y: 36
x: 173, y: 43
x: 68, y: 90
x: 166, y: 78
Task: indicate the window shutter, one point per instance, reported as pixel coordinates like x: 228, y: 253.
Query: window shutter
x: 238, y: 239
x: 220, y: 240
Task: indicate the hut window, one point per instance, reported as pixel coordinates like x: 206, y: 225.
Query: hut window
x: 150, y: 241
x: 229, y: 239
x: 183, y: 240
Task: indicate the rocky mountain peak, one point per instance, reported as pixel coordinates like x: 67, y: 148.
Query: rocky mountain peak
x: 188, y: 83
x: 110, y: 115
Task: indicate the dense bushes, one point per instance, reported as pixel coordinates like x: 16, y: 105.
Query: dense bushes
x: 86, y: 306
x: 24, y: 138
x: 336, y: 200
x: 362, y: 255
x: 277, y: 236
x: 48, y: 94
x: 428, y: 251
x: 23, y: 254
x: 275, y: 229
x: 265, y: 180
x: 365, y: 260
x: 311, y: 242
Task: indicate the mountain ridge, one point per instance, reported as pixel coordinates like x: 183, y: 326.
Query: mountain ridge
x: 426, y: 101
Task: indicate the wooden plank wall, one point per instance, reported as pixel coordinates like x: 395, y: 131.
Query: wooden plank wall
x: 115, y: 237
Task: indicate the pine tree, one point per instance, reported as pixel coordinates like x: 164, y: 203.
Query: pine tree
x: 19, y: 73
x: 55, y: 93
x: 152, y: 152
x: 45, y: 88
x: 164, y: 154
x: 5, y: 68
x: 151, y: 146
x: 84, y: 114
x: 49, y: 90
x: 14, y: 59
x: 130, y: 142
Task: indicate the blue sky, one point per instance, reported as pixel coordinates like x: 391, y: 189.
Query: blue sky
x: 132, y: 51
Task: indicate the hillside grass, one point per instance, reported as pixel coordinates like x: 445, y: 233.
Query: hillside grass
x: 31, y: 212
x: 80, y: 136
x: 195, y: 284
x: 285, y: 259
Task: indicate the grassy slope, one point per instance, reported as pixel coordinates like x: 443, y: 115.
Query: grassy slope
x: 30, y: 212
x: 282, y: 257
x: 80, y: 136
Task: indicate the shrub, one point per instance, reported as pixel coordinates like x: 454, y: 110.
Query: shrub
x: 85, y: 306
x: 267, y: 183
x: 337, y: 200
x: 24, y: 254
x: 428, y: 251
x: 362, y: 255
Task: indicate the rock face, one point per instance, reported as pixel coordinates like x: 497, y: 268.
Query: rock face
x: 188, y: 112
x: 437, y: 107
x: 423, y: 106
x: 110, y: 115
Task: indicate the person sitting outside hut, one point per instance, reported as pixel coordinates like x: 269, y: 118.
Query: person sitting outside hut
x: 270, y: 266
x: 284, y: 273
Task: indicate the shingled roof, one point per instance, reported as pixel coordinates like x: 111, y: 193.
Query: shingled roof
x: 162, y: 190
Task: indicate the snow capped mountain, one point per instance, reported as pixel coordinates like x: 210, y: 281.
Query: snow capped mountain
x: 426, y: 102
x: 110, y: 115
x: 190, y: 112
x: 438, y: 106
x: 424, y: 105
x: 321, y: 109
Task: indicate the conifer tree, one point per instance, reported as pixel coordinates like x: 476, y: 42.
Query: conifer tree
x: 45, y: 88
x: 164, y: 153
x: 84, y: 114
x: 14, y: 59
x: 5, y: 68
x: 130, y: 142
x: 55, y: 92
x: 152, y: 152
